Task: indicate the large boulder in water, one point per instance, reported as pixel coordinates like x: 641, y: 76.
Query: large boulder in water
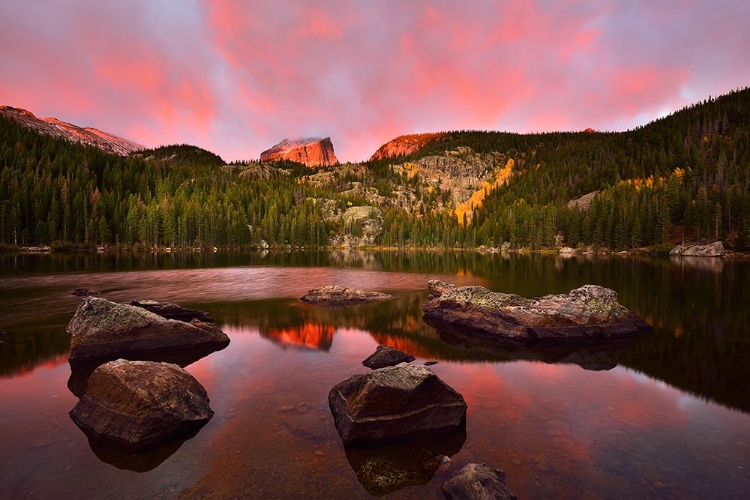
x: 103, y: 330
x: 339, y: 295
x: 395, y: 403
x: 386, y: 356
x: 586, y: 314
x: 477, y: 482
x: 141, y: 404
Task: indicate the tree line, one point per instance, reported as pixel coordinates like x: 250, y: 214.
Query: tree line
x: 683, y: 177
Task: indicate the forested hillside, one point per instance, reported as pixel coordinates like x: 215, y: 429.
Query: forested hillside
x: 686, y: 176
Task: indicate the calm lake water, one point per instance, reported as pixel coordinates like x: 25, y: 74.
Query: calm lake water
x: 667, y: 416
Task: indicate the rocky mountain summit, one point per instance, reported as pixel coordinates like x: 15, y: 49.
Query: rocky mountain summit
x: 404, y: 145
x: 57, y: 128
x: 310, y: 151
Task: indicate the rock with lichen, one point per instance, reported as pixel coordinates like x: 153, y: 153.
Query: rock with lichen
x: 102, y: 330
x: 395, y: 403
x: 588, y: 313
x: 339, y: 295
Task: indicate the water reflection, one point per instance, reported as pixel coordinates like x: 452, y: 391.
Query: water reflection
x: 480, y: 346
x: 110, y: 453
x: 559, y: 431
x: 309, y: 335
x: 385, y: 469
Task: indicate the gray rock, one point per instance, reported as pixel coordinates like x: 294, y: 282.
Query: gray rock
x: 715, y: 249
x: 395, y: 403
x: 141, y: 404
x: 386, y: 356
x: 477, y: 482
x: 339, y: 295
x: 104, y: 330
x: 588, y: 313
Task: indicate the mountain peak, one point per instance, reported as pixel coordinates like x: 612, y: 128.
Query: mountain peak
x: 310, y: 151
x: 57, y: 128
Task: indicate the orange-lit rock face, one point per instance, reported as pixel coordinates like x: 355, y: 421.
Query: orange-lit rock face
x: 309, y: 335
x: 404, y: 145
x: 311, y: 151
x: 57, y: 128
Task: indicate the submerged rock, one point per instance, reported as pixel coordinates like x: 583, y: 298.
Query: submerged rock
x: 339, y: 295
x: 588, y: 313
x: 386, y: 356
x: 83, y: 292
x: 477, y: 482
x: 384, y: 469
x: 395, y: 403
x: 103, y: 330
x: 141, y: 404
x: 715, y: 249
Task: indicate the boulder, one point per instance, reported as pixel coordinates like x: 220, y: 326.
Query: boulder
x: 83, y: 292
x: 103, y: 330
x: 141, y: 404
x: 310, y: 151
x: 386, y: 356
x: 567, y: 251
x: 339, y: 295
x: 715, y: 249
x: 395, y: 403
x: 477, y: 482
x: 589, y: 313
x: 173, y: 311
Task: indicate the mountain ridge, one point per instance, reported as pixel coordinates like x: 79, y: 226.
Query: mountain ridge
x: 85, y: 135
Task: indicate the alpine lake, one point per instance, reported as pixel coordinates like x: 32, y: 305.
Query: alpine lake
x: 665, y: 416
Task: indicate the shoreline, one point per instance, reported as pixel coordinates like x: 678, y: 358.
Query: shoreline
x: 482, y: 250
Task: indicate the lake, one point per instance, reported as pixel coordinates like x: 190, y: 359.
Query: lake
x: 666, y: 416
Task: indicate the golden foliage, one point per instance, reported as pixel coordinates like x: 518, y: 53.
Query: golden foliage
x: 477, y: 197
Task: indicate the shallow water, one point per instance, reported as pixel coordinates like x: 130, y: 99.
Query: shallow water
x: 665, y: 417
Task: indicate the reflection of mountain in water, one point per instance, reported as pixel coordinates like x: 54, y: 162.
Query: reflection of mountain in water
x: 310, y: 335
x: 691, y: 347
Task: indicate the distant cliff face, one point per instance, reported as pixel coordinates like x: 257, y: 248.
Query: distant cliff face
x: 56, y: 128
x: 404, y: 145
x: 311, y: 151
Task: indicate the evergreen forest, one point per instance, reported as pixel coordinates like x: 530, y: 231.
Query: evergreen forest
x: 682, y: 178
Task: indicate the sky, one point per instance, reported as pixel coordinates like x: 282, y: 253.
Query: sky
x: 237, y: 77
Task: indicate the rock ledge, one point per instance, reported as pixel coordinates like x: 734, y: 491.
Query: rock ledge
x: 103, y: 330
x: 589, y: 313
x: 339, y: 295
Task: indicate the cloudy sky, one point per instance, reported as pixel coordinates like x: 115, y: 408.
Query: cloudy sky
x: 236, y: 77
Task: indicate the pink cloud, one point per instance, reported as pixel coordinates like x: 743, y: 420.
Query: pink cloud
x: 236, y: 78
